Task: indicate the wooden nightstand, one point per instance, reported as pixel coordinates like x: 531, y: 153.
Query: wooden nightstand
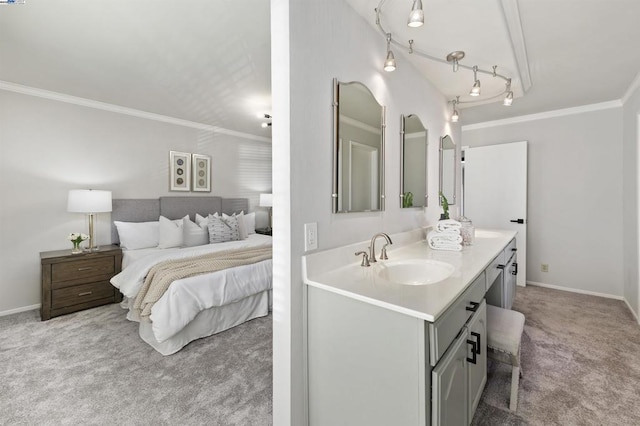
x: 73, y: 282
x: 264, y: 231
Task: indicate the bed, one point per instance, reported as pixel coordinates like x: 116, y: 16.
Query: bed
x: 197, y: 306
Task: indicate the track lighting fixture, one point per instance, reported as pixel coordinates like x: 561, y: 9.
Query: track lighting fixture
x: 390, y: 62
x: 508, y: 99
x: 475, y: 90
x: 455, y: 115
x: 416, y: 17
x: 265, y: 116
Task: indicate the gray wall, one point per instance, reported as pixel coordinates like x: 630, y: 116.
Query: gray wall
x: 574, y: 196
x: 312, y: 43
x: 631, y: 140
x: 48, y: 147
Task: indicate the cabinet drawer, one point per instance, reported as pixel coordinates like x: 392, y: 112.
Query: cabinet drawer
x: 84, y: 268
x: 69, y: 296
x: 493, y: 270
x: 446, y: 328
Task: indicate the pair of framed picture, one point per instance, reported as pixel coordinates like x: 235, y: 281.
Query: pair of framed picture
x: 189, y: 172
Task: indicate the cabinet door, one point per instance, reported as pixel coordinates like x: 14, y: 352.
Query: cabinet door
x: 478, y: 371
x: 449, y: 385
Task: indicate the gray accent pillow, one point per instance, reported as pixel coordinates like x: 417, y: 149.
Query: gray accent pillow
x: 223, y: 229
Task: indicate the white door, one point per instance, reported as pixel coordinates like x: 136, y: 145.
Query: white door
x: 495, y: 192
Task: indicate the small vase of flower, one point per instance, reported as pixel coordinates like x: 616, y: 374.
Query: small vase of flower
x: 77, y: 238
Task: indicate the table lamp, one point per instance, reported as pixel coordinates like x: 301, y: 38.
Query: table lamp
x: 266, y: 200
x: 89, y: 201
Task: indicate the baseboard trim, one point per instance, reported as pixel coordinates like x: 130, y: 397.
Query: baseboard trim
x: 632, y: 311
x: 575, y: 290
x: 18, y: 310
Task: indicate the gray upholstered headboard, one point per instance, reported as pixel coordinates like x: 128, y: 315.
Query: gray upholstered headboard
x: 147, y: 210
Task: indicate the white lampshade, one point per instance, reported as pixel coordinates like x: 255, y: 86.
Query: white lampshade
x: 266, y: 200
x: 89, y: 201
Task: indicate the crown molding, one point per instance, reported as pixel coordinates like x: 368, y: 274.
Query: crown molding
x: 89, y: 103
x: 544, y: 115
x: 634, y: 85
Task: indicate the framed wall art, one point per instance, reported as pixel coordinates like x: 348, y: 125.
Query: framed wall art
x: 201, y: 165
x: 179, y: 171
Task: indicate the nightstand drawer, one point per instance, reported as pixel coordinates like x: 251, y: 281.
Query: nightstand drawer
x: 69, y: 296
x: 82, y: 268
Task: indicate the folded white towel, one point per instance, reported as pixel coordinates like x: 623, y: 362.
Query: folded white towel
x: 445, y: 246
x: 446, y: 237
x: 448, y: 225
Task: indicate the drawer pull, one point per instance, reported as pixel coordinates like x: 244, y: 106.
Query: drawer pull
x: 85, y: 268
x: 86, y: 293
x: 474, y: 306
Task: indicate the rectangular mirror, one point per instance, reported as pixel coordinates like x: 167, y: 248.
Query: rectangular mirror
x: 413, y: 162
x: 358, y: 149
x: 448, y: 168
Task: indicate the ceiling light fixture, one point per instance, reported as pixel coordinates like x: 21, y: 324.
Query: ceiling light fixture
x: 452, y: 58
x: 390, y: 62
x: 475, y: 90
x: 455, y: 57
x: 508, y: 99
x: 416, y: 17
x: 455, y: 115
x: 266, y: 116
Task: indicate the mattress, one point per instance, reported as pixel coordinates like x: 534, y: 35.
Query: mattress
x: 245, y: 290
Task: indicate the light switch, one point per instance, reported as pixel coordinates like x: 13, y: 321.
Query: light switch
x: 310, y: 236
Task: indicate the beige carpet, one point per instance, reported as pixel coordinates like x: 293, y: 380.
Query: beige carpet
x: 581, y: 362
x: 92, y: 368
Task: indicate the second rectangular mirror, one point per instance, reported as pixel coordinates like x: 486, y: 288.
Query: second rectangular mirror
x: 413, y: 162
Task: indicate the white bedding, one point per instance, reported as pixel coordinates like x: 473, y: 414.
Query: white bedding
x: 186, y: 298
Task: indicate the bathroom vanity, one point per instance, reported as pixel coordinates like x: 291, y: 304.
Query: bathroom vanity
x: 403, y: 341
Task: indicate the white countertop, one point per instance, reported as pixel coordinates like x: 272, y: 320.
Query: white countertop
x: 339, y: 271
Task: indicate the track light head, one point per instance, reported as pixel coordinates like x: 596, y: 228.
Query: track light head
x: 416, y: 17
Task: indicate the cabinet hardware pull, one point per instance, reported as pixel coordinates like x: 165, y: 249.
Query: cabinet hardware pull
x: 473, y: 351
x: 86, y: 293
x: 474, y: 306
x: 477, y: 336
x: 84, y: 269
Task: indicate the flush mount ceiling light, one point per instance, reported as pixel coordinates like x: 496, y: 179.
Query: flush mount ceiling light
x: 416, y: 18
x: 390, y: 62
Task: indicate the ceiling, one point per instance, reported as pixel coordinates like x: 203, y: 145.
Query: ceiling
x: 209, y: 62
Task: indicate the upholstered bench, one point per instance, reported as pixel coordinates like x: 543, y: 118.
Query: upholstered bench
x: 504, y: 333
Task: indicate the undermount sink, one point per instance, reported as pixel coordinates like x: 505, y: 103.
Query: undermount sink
x: 415, y: 271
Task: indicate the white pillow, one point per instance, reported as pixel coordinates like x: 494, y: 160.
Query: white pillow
x: 170, y: 232
x: 194, y: 234
x: 250, y: 222
x: 138, y: 235
x: 223, y: 229
x: 242, y: 227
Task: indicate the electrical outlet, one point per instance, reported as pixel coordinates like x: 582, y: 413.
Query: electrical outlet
x: 544, y: 267
x: 310, y: 236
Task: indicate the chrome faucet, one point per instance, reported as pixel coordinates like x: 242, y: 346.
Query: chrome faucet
x: 372, y: 247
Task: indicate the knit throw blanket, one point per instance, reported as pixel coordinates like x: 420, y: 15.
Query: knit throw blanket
x: 164, y: 273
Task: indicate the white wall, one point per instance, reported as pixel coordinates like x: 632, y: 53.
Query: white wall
x: 574, y: 196
x: 631, y: 159
x: 313, y: 42
x: 48, y: 147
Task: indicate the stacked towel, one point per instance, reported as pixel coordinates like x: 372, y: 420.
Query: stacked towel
x: 446, y: 236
